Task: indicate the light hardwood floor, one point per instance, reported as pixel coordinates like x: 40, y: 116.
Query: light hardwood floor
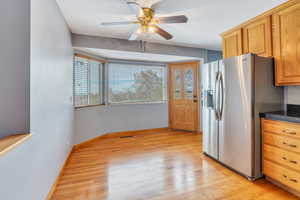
x: 159, y: 166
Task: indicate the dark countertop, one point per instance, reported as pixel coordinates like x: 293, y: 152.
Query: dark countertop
x: 292, y: 114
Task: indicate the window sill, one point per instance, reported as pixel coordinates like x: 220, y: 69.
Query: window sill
x: 121, y: 104
x: 137, y: 103
x: 89, y: 106
x: 10, y: 142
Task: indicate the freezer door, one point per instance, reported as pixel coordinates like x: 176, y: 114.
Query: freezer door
x: 235, y: 126
x: 209, y: 122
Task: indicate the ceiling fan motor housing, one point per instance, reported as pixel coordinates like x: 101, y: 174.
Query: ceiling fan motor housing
x: 146, y: 16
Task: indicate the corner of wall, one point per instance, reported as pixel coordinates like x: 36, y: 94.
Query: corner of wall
x: 292, y: 95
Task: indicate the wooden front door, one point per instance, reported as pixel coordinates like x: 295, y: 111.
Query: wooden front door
x: 183, y: 96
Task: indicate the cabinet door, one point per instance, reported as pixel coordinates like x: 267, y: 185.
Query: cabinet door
x: 286, y: 44
x: 257, y: 37
x: 232, y: 44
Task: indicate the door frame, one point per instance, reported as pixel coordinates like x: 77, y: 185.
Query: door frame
x: 198, y: 116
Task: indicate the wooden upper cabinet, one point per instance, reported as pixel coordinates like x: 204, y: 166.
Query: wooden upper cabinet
x: 232, y: 43
x: 257, y: 37
x: 286, y: 44
x: 273, y: 33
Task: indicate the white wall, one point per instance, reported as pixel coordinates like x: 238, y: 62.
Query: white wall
x: 95, y: 121
x: 28, y: 172
x: 14, y: 67
x: 292, y: 95
x: 91, y: 122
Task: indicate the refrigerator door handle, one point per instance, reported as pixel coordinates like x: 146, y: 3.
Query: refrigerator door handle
x: 217, y: 96
x: 221, y: 85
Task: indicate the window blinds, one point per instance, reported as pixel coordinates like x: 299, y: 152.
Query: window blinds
x: 87, y: 82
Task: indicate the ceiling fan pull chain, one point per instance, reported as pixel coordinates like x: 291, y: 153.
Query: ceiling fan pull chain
x: 143, y: 46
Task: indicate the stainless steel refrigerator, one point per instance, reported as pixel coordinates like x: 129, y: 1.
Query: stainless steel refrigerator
x: 234, y: 91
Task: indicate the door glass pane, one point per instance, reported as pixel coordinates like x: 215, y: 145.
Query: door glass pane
x: 177, y: 84
x: 188, y: 84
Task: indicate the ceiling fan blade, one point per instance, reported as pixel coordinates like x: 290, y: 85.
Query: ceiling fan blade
x: 118, y: 23
x: 134, y: 7
x: 162, y: 32
x: 167, y: 6
x: 171, y: 19
x: 134, y: 35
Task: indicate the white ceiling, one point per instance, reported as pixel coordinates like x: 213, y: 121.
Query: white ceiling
x: 207, y: 18
x: 125, y: 55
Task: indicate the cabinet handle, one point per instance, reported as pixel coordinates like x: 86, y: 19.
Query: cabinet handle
x: 289, y: 132
x: 293, y: 161
x: 292, y: 145
x: 284, y: 176
x: 294, y: 180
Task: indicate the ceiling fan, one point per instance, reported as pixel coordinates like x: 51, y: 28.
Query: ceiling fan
x: 147, y: 21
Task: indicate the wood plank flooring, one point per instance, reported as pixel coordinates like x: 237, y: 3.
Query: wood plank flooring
x: 158, y: 166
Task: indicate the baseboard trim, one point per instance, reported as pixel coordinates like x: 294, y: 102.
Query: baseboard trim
x: 120, y: 134
x: 280, y: 185
x: 52, y: 190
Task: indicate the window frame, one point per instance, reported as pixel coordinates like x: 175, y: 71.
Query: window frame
x: 137, y: 63
x: 101, y: 76
x: 105, y: 80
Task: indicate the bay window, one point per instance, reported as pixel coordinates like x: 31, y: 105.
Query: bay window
x: 117, y: 82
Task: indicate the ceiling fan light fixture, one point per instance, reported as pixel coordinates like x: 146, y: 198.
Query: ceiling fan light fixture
x: 141, y: 13
x: 152, y: 29
x: 153, y: 21
x: 145, y: 28
x: 139, y: 31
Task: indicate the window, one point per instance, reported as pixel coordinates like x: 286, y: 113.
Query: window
x: 88, y: 85
x: 120, y: 82
x: 130, y: 83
